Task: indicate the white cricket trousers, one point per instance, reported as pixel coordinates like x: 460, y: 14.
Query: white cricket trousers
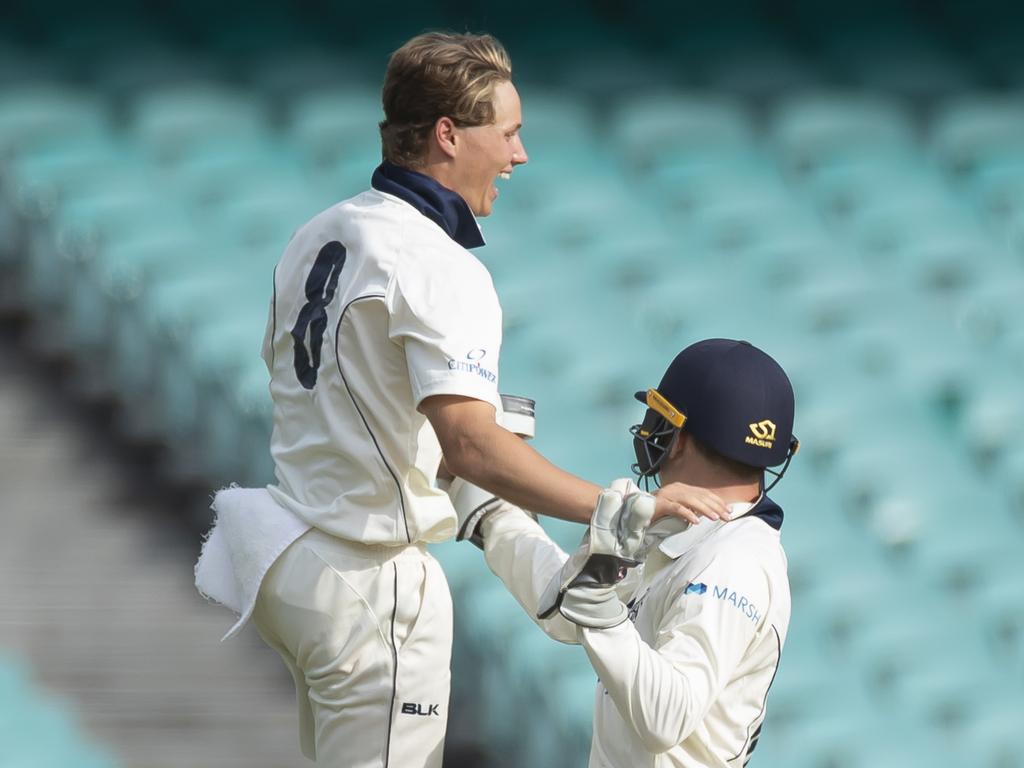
x: 366, y: 632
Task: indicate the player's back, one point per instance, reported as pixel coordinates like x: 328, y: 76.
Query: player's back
x: 352, y: 454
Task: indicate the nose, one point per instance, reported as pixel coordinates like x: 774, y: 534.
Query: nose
x: 519, y: 156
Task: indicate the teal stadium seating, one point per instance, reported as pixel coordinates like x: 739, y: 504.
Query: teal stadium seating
x: 38, y: 730
x: 856, y: 209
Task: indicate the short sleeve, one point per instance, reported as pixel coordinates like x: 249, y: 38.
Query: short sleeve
x: 448, y: 319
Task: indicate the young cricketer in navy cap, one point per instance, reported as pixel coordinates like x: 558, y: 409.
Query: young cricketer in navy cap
x: 687, y: 645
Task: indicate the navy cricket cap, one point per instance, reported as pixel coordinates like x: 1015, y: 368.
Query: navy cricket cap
x: 736, y: 399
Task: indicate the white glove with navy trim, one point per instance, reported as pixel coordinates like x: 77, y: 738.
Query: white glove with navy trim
x: 583, y: 591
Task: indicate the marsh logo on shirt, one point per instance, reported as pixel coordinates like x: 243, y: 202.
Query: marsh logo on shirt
x: 472, y: 365
x: 695, y: 589
x: 731, y: 596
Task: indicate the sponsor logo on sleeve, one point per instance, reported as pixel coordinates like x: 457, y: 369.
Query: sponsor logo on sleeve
x: 726, y: 595
x: 739, y: 601
x: 471, y: 364
x: 762, y: 434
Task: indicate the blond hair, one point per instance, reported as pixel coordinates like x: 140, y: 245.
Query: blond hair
x: 434, y: 75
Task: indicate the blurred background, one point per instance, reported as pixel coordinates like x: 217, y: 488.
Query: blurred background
x: 840, y: 183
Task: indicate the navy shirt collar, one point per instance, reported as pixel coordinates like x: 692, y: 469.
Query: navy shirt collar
x: 441, y: 205
x: 768, y: 511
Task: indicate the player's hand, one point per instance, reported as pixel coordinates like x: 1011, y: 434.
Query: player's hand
x: 584, y: 589
x: 689, y: 503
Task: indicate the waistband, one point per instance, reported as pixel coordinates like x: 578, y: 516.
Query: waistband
x: 374, y: 553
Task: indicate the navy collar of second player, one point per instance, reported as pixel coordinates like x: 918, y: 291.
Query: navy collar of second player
x: 441, y: 205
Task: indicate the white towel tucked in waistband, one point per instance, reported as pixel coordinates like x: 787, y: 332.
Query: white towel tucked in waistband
x: 250, y: 532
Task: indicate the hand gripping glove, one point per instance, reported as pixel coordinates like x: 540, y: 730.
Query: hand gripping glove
x: 472, y: 503
x: 584, y: 589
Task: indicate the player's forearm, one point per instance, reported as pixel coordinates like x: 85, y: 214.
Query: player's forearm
x: 520, y: 554
x: 659, y: 702
x: 499, y: 462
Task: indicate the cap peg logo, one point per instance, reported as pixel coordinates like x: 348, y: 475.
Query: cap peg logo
x: 763, y: 433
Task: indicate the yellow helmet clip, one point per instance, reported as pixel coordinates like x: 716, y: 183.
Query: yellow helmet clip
x: 657, y: 402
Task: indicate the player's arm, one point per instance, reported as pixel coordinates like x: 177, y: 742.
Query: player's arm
x: 521, y: 554
x: 665, y: 692
x: 477, y: 449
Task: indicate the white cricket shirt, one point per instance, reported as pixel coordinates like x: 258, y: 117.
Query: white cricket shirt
x: 375, y: 308
x: 685, y: 682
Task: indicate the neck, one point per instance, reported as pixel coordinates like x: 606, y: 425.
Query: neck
x: 726, y: 488
x: 437, y: 166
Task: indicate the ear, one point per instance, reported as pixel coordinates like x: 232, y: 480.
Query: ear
x: 445, y: 136
x: 678, y: 445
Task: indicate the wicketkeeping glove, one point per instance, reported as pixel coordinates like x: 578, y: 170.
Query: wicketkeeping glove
x: 584, y: 589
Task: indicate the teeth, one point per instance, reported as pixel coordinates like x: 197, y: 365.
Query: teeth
x: 505, y: 175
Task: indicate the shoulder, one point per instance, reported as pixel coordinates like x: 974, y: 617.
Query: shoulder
x: 746, y: 549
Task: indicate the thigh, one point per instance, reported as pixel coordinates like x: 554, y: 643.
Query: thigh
x: 332, y: 615
x: 373, y: 641
x: 423, y: 677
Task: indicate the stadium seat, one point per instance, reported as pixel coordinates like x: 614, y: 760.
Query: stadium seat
x: 178, y: 319
x: 667, y: 127
x: 249, y: 397
x: 332, y: 125
x: 958, y: 567
x: 898, y: 653
x: 288, y: 76
x: 969, y: 130
x: 905, y: 63
x: 990, y: 312
x: 128, y: 271
x: 227, y: 167
x: 936, y: 367
x: 999, y: 607
x: 571, y: 711
x: 993, y: 740
x: 760, y: 74
x: 556, y: 121
x: 824, y: 737
x: 909, y: 747
x: 19, y: 65
x: 65, y: 256
x: 822, y: 128
x: 993, y: 419
x: 124, y: 72
x: 32, y: 186
x: 38, y: 730
x: 829, y: 300
x: 997, y: 186
x: 35, y: 112
x: 845, y: 186
x: 170, y: 121
x: 1009, y: 479
x: 890, y: 224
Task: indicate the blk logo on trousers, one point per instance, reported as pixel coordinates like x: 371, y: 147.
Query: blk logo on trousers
x: 420, y: 709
